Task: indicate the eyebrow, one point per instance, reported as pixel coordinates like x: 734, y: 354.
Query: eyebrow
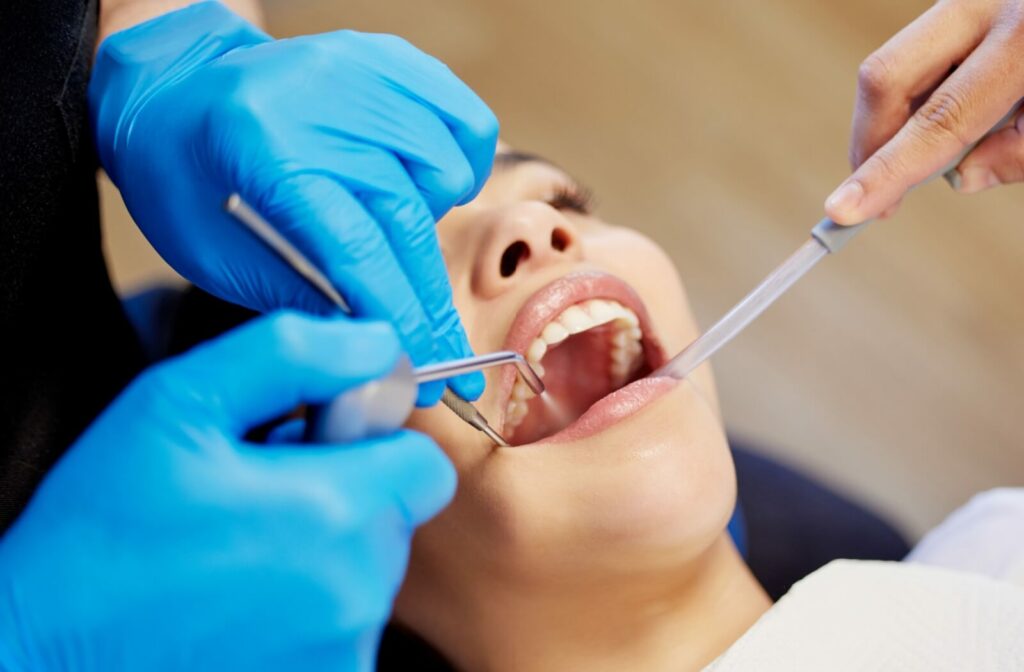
x: 511, y: 159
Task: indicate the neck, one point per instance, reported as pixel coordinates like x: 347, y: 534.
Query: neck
x: 679, y: 620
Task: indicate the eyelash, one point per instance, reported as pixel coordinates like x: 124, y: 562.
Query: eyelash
x: 573, y: 197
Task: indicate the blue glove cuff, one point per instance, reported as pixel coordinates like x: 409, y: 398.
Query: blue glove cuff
x: 134, y: 61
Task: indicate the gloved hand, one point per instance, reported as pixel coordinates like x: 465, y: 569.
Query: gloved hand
x: 164, y: 541
x: 352, y: 145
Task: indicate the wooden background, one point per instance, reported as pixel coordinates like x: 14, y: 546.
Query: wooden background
x: 896, y: 370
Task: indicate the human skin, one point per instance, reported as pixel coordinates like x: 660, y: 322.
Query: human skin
x: 607, y: 552
x: 116, y: 15
x: 933, y: 89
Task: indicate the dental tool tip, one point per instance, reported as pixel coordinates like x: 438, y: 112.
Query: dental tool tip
x: 494, y: 436
x: 474, y: 418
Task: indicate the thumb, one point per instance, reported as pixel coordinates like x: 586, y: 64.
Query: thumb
x: 406, y: 471
x: 999, y: 159
x: 272, y: 364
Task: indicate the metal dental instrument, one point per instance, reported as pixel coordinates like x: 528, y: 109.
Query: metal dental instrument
x: 826, y: 238
x: 381, y: 405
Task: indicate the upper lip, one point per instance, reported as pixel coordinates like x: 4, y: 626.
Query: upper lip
x: 552, y: 299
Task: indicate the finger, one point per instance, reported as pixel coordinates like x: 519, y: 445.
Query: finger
x: 906, y: 68
x: 406, y: 471
x: 320, y: 217
x: 434, y: 86
x: 411, y: 231
x: 960, y: 111
x: 891, y: 210
x: 423, y: 145
x: 271, y: 365
x: 998, y: 159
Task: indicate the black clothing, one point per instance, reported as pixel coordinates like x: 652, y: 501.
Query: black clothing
x: 796, y: 525
x: 66, y: 347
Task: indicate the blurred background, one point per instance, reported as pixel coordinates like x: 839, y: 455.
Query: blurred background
x: 895, y: 371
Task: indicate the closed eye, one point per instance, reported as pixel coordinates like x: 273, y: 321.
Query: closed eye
x: 573, y: 197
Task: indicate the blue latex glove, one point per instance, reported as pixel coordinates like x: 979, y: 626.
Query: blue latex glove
x: 352, y: 145
x: 164, y: 541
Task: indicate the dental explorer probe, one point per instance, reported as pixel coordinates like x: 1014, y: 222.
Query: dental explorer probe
x: 827, y: 237
x: 382, y: 405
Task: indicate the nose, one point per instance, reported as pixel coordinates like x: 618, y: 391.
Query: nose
x: 521, y: 240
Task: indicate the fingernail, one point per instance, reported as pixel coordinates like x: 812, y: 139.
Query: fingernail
x: 978, y: 178
x: 846, y: 198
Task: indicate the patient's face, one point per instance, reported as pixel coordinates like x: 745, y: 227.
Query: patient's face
x: 643, y: 479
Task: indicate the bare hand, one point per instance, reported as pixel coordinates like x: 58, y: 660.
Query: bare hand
x: 929, y: 92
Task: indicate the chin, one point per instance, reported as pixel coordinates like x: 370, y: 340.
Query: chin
x: 630, y: 473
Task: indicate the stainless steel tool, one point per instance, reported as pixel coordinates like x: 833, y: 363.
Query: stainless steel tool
x: 826, y: 238
x: 383, y: 405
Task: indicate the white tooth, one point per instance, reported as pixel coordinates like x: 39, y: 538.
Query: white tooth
x: 601, y: 311
x: 635, y: 333
x: 616, y: 308
x: 521, y: 391
x: 538, y: 368
x: 537, y: 350
x: 620, y: 356
x: 618, y: 370
x: 634, y: 348
x: 575, y: 320
x: 629, y: 317
x: 554, y: 333
x: 514, y: 414
x: 620, y: 338
x: 510, y: 410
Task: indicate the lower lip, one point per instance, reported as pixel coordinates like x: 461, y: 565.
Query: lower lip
x: 613, y: 409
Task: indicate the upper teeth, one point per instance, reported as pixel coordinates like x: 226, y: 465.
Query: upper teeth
x: 625, y: 353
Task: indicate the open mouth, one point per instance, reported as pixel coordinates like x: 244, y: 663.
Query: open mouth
x: 589, y: 337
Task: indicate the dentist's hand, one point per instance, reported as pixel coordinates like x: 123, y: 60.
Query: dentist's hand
x: 915, y: 113
x: 164, y: 541
x: 352, y: 145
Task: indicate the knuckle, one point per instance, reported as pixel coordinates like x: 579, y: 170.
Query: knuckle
x: 169, y: 382
x: 238, y: 104
x: 396, y: 43
x: 483, y: 124
x: 885, y: 165
x: 456, y: 180
x: 358, y: 43
x: 365, y: 244
x: 314, y: 51
x: 942, y: 116
x: 875, y: 77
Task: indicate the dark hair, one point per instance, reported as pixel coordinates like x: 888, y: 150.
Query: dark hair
x: 402, y: 650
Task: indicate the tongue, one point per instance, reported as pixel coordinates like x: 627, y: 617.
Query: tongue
x: 576, y: 374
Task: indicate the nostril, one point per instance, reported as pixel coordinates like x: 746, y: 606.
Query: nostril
x: 559, y: 240
x: 515, y: 253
